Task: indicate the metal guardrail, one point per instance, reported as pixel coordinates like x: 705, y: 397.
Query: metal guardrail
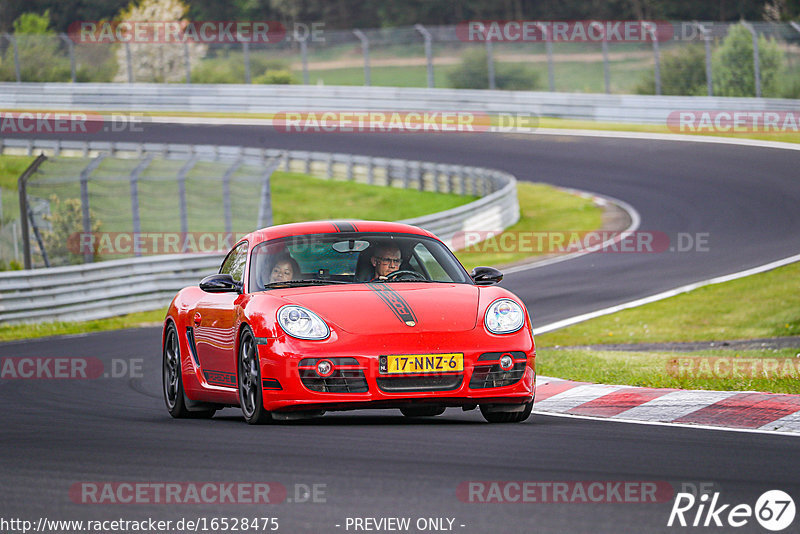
x: 230, y: 98
x: 105, y: 289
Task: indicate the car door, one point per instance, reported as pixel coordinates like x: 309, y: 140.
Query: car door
x: 214, y: 320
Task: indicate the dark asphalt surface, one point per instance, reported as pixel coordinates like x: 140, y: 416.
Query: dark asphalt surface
x: 56, y: 433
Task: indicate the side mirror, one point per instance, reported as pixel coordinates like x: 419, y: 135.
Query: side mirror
x: 220, y: 283
x: 485, y: 276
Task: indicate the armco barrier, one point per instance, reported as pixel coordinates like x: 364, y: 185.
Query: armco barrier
x: 234, y: 98
x: 105, y: 289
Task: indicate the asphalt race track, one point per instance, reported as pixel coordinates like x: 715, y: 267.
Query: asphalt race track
x: 59, y: 433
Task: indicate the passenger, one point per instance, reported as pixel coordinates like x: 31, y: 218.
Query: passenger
x: 284, y: 269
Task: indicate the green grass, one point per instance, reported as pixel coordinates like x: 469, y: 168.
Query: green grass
x: 542, y: 209
x: 35, y: 330
x: 694, y: 370
x: 758, y: 306
x: 762, y: 305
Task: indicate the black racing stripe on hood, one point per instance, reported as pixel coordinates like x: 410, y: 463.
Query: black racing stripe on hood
x: 344, y: 226
x: 395, y: 301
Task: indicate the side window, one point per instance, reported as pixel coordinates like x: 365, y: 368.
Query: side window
x: 435, y: 270
x: 234, y: 262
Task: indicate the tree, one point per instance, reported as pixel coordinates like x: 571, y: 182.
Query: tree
x: 733, y: 65
x: 156, y: 62
x: 473, y: 73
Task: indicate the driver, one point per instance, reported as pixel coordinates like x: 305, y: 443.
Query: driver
x: 385, y: 260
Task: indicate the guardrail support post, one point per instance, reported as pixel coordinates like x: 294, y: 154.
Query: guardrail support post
x: 13, y: 40
x: 428, y: 51
x: 71, y: 50
x: 23, y: 208
x: 365, y: 49
x: 756, y: 59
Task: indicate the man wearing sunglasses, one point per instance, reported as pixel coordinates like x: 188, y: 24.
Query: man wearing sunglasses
x: 385, y: 260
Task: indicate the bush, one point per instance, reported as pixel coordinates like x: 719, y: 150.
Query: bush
x: 41, y: 56
x: 683, y: 72
x: 228, y: 67
x: 63, y: 241
x: 473, y: 73
x: 276, y: 77
x: 733, y: 65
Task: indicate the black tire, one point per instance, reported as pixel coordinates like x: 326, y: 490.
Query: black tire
x: 507, y: 417
x: 251, y: 397
x: 172, y: 380
x: 422, y: 411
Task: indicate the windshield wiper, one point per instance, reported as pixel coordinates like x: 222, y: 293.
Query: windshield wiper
x: 290, y: 283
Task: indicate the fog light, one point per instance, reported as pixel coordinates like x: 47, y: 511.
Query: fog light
x: 324, y: 368
x: 506, y: 362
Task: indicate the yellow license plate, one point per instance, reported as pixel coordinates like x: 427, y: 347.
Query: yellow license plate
x: 422, y: 363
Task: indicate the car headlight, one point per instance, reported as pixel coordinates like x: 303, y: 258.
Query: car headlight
x: 504, y: 316
x: 302, y: 323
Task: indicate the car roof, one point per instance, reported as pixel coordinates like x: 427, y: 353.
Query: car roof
x: 327, y: 227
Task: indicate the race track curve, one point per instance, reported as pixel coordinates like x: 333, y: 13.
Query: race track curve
x: 57, y: 433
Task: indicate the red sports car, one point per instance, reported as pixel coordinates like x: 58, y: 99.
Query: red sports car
x: 309, y: 317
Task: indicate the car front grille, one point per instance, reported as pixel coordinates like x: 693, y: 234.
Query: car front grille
x: 342, y: 380
x: 488, y: 373
x: 420, y: 383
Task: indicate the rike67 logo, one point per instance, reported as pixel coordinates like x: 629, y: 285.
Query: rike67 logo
x: 774, y: 510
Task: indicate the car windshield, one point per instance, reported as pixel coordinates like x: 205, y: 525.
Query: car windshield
x: 340, y: 258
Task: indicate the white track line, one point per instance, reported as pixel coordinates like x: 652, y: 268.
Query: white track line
x: 666, y: 294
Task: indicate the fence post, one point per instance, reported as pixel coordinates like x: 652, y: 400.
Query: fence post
x: 88, y: 255
x: 134, y: 179
x: 428, y: 52
x: 23, y: 207
x: 226, y: 195
x: 303, y: 55
x: 707, y: 44
x: 656, y: 56
x: 246, y: 51
x: 265, y: 206
x: 13, y: 41
x: 548, y: 44
x: 756, y: 59
x: 365, y: 48
x: 490, y: 62
x: 129, y: 61
x: 187, y: 62
x: 71, y: 49
x: 606, y: 75
x: 182, y: 197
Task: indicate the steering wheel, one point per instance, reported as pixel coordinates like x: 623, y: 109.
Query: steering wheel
x: 414, y: 275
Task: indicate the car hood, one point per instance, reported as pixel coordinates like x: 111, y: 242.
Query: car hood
x: 392, y: 308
